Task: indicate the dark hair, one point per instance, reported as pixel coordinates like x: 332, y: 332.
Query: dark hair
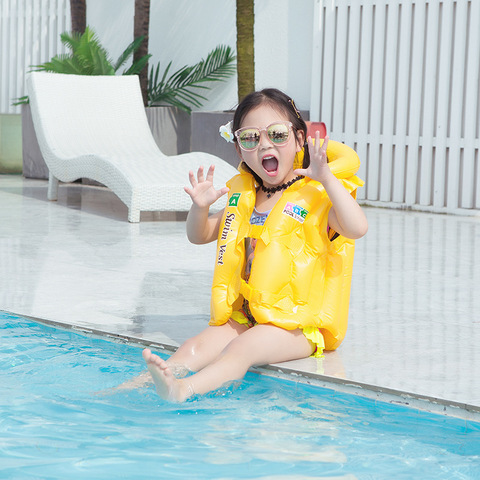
x: 279, y: 101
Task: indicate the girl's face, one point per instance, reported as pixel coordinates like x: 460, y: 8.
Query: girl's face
x: 272, y: 163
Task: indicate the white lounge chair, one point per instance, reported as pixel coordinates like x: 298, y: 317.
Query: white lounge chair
x: 95, y: 127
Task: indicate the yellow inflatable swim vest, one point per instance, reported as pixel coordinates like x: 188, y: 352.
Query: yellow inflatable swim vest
x: 299, y: 278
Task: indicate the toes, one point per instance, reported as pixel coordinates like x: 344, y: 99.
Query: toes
x: 151, y: 358
x: 155, y: 359
x: 146, y: 354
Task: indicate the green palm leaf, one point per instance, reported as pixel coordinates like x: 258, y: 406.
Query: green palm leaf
x: 137, y: 66
x: 62, y: 64
x: 128, y: 52
x: 88, y: 57
x: 71, y: 40
x: 181, y: 89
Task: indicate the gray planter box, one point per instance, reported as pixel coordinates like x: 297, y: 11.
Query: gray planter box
x: 171, y: 129
x: 33, y: 163
x: 206, y: 137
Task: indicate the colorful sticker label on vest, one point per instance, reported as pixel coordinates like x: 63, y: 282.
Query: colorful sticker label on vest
x: 233, y: 201
x: 295, y: 211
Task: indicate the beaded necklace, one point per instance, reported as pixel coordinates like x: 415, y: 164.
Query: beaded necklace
x: 279, y: 188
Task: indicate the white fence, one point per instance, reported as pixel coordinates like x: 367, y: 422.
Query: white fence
x: 29, y: 35
x: 398, y: 80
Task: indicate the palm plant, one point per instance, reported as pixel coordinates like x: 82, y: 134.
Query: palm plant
x: 88, y: 57
x: 182, y: 88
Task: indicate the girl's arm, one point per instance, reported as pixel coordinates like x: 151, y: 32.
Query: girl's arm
x: 202, y: 228
x: 345, y: 217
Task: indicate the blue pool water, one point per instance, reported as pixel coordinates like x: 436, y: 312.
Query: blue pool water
x: 55, y: 425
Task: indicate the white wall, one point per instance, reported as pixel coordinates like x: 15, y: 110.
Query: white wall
x: 283, y: 47
x: 181, y: 31
x: 185, y: 31
x: 112, y: 20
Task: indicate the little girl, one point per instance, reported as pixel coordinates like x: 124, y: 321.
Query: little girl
x: 267, y: 309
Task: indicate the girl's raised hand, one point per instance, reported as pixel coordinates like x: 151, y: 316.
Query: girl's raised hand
x: 202, y: 192
x: 318, y: 169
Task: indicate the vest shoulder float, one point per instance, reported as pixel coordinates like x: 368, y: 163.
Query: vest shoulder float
x: 299, y: 278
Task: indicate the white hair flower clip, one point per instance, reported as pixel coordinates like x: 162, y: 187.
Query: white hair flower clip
x: 226, y: 132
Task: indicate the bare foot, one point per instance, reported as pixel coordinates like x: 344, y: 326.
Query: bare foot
x: 168, y: 387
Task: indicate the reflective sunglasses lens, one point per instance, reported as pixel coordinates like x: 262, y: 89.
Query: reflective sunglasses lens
x: 249, y: 138
x: 278, y: 133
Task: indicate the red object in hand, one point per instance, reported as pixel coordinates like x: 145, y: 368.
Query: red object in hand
x: 312, y: 127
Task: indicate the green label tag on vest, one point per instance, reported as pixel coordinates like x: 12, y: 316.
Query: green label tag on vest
x: 233, y: 201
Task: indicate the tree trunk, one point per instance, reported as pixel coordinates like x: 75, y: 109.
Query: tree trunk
x: 78, y: 13
x: 140, y: 28
x: 245, y: 49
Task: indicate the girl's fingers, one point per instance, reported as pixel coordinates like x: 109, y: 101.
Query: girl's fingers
x: 325, y: 143
x: 319, y: 146
x: 222, y: 192
x: 300, y: 171
x: 200, y: 179
x: 193, y: 180
x: 210, y: 173
x: 316, y: 146
x: 200, y: 175
x: 311, y: 146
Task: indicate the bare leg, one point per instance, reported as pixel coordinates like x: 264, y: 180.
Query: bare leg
x: 193, y: 355
x: 204, y: 348
x: 136, y: 382
x: 260, y: 345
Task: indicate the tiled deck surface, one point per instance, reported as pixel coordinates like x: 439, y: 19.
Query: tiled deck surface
x: 415, y: 303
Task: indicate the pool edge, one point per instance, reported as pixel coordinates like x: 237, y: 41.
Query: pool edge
x: 451, y: 408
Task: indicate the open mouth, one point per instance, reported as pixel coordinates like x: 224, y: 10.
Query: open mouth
x: 270, y: 164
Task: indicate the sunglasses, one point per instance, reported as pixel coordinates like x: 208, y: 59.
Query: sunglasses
x: 278, y: 134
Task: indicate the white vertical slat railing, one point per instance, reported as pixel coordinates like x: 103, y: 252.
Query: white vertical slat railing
x: 29, y: 35
x: 398, y: 80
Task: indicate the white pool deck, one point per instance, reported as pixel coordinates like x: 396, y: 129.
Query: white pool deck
x: 414, y: 332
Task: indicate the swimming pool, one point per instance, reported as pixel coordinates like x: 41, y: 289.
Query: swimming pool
x: 54, y: 424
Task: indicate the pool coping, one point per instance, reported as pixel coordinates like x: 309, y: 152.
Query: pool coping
x: 425, y: 403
